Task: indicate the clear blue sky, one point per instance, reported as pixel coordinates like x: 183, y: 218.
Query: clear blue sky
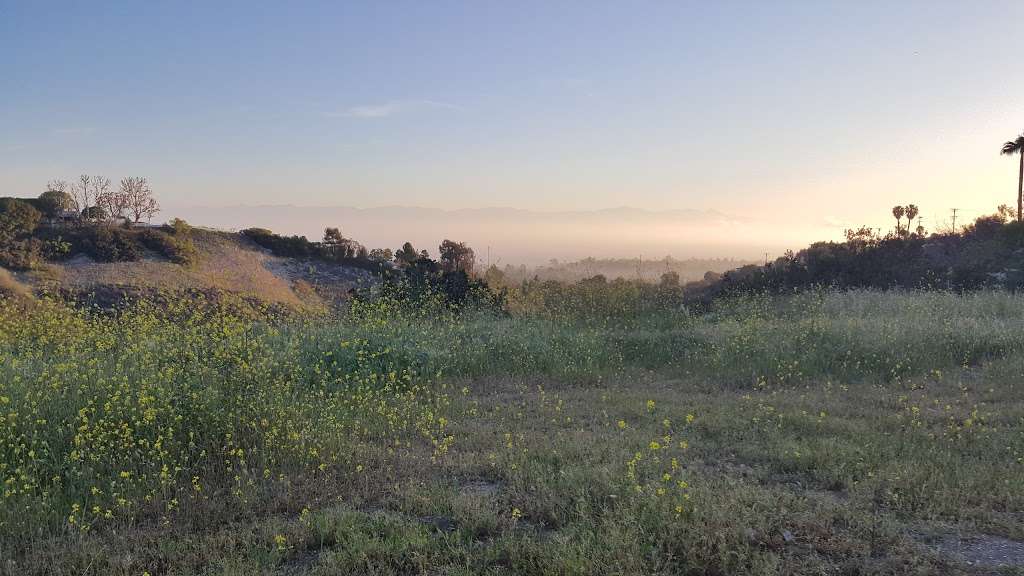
x: 793, y: 111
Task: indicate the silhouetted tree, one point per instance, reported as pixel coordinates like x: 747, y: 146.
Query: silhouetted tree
x: 406, y: 255
x: 911, y: 212
x: 381, y: 255
x: 333, y: 237
x: 1017, y: 147
x: 898, y: 211
x: 456, y: 256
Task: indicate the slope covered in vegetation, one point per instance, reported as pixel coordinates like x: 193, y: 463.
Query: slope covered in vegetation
x: 988, y: 253
x: 851, y: 432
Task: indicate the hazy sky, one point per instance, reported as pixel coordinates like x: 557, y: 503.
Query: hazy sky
x: 804, y: 113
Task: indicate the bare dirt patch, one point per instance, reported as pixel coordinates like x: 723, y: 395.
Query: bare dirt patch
x: 980, y: 550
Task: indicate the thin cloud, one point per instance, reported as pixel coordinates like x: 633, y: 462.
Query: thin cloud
x: 390, y: 108
x: 72, y: 131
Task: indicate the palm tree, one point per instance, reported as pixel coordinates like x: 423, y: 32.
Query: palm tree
x: 898, y: 212
x: 1017, y: 147
x: 911, y: 212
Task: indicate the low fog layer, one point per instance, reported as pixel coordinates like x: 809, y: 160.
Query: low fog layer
x: 517, y: 236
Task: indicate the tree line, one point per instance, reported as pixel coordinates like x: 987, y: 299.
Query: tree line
x: 95, y: 199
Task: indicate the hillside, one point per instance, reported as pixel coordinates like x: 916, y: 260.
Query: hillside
x: 989, y: 253
x: 223, y: 261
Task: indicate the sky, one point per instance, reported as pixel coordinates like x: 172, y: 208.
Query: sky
x: 804, y: 117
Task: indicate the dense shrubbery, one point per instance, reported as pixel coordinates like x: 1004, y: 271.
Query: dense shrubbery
x: 18, y: 249
x: 334, y: 248
x: 990, y: 253
x: 109, y: 243
x: 173, y: 242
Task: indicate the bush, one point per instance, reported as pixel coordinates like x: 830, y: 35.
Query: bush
x: 343, y: 251
x: 177, y: 248
x: 108, y: 244
x: 17, y: 219
x: 23, y: 254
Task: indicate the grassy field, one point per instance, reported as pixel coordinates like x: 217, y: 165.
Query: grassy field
x: 823, y: 433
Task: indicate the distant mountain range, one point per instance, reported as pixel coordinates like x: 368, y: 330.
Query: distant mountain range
x: 511, y: 235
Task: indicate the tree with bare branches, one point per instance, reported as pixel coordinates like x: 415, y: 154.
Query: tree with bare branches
x: 87, y: 190
x: 138, y: 198
x: 114, y: 203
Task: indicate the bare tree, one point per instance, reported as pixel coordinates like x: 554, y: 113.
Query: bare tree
x: 59, y: 185
x: 138, y: 198
x: 82, y: 192
x: 113, y: 202
x: 88, y: 190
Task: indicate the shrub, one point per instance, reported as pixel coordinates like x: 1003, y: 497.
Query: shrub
x: 96, y: 213
x: 109, y: 244
x: 177, y: 248
x: 17, y: 219
x: 23, y: 254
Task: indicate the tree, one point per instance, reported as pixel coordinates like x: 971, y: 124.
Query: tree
x: 88, y: 189
x: 669, y: 279
x: 333, y: 237
x: 456, y: 256
x: 82, y: 192
x: 113, y: 202
x: 494, y: 277
x: 406, y: 255
x: 898, y: 212
x: 911, y: 211
x: 381, y: 255
x: 1009, y: 149
x: 53, y: 202
x: 17, y: 218
x: 138, y: 198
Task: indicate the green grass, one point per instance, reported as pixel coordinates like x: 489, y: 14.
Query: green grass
x: 834, y: 433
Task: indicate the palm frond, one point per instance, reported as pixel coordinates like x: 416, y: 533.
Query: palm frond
x: 1013, y: 146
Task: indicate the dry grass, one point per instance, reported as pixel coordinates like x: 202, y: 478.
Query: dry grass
x: 226, y: 262
x: 9, y: 286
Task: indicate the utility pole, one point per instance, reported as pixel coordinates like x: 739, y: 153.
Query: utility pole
x: 765, y: 258
x: 954, y: 219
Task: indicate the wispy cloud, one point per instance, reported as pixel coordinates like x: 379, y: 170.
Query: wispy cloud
x: 72, y: 131
x: 390, y: 108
